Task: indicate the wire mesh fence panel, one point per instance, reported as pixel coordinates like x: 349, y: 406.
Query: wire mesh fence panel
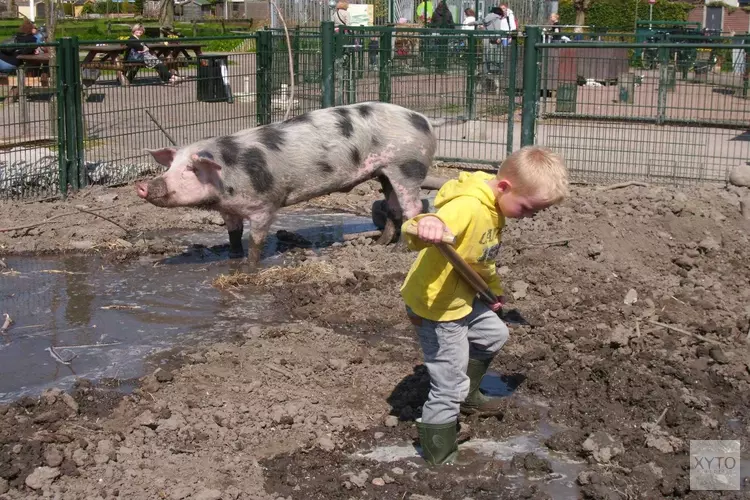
x: 29, y: 112
x: 189, y: 94
x: 456, y: 78
x: 306, y: 64
x: 657, y: 117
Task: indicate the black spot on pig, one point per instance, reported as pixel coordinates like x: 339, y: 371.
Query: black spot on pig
x: 345, y: 122
x: 230, y: 191
x: 365, y: 110
x: 413, y: 169
x: 303, y: 118
x: 419, y: 122
x: 271, y: 137
x: 254, y: 162
x: 325, y: 167
x: 229, y: 149
x: 355, y: 156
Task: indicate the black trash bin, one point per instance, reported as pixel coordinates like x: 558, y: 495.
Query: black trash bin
x: 213, y: 78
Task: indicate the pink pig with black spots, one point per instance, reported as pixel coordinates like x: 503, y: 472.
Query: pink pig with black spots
x: 253, y: 173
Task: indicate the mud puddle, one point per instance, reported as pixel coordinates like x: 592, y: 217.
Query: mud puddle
x: 386, y: 462
x: 82, y: 316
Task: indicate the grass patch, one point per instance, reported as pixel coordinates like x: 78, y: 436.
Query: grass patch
x: 277, y: 275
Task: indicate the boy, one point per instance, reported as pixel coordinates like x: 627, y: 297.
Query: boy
x: 458, y: 333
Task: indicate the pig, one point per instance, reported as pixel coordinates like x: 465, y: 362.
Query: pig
x: 253, y: 173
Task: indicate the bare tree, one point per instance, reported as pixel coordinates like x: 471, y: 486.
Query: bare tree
x: 581, y: 7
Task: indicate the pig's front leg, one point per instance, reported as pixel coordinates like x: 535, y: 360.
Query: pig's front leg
x: 234, y: 228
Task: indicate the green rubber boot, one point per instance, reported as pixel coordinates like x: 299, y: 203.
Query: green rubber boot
x: 438, y: 442
x: 477, y: 403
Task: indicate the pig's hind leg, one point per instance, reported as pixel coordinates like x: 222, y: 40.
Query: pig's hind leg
x: 401, y: 187
x: 234, y: 227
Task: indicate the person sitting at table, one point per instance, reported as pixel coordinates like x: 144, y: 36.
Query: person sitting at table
x: 9, y: 57
x: 139, y: 51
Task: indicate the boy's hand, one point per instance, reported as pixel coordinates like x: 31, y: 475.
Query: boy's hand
x: 498, y: 305
x: 430, y: 229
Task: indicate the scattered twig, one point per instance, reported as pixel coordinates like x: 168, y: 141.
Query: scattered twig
x: 101, y: 217
x: 365, y: 234
x: 677, y: 300
x: 555, y: 243
x: 747, y: 339
x: 119, y: 307
x: 58, y: 271
x: 87, y: 346
x: 56, y: 356
x: 637, y: 329
x: 661, y: 417
x: 280, y: 371
x: 291, y: 61
x: 169, y: 137
x: 6, y: 323
x: 623, y: 185
x: 55, y: 217
x: 685, y: 332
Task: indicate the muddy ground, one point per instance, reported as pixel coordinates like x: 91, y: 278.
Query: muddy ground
x: 280, y: 410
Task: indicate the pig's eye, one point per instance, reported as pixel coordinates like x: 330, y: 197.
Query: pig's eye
x: 190, y: 167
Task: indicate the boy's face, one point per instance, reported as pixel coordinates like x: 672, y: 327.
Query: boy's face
x: 518, y: 206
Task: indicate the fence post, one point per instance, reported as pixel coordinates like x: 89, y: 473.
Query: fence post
x: 471, y: 74
x: 60, y: 86
x: 512, y: 93
x: 77, y: 110
x: 70, y: 130
x: 264, y: 60
x: 661, y: 99
x: 746, y: 73
x: 530, y: 77
x: 385, y: 62
x: 326, y: 35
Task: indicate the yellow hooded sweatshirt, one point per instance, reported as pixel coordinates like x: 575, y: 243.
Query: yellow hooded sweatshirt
x: 467, y: 206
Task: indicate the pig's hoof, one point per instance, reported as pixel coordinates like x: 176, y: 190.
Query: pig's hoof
x: 389, y: 233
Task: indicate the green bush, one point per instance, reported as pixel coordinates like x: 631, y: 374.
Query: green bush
x: 619, y: 15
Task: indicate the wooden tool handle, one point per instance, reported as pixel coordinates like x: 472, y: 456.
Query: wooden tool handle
x: 447, y: 236
x: 470, y: 276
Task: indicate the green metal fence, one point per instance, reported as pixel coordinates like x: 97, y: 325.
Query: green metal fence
x: 673, y: 116
x: 33, y: 162
x: 675, y: 112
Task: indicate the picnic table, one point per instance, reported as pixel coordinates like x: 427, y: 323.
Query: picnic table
x: 113, y: 56
x: 30, y: 61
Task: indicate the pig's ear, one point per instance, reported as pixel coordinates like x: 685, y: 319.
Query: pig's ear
x: 203, y: 161
x: 163, y: 156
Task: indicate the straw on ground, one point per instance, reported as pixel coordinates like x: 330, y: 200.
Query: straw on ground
x: 276, y: 275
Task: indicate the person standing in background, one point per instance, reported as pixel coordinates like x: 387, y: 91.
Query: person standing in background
x: 469, y: 20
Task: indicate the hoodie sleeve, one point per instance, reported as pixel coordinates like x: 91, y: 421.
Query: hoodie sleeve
x: 456, y: 214
x: 494, y: 282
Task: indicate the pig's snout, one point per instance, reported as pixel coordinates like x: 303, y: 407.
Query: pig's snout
x: 154, y: 191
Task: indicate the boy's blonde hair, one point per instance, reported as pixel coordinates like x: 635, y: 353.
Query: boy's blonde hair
x: 536, y: 171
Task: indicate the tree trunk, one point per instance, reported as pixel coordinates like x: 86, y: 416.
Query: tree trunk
x: 166, y: 15
x: 580, y: 17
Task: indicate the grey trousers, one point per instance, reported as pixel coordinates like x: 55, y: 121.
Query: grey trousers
x: 447, y: 347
